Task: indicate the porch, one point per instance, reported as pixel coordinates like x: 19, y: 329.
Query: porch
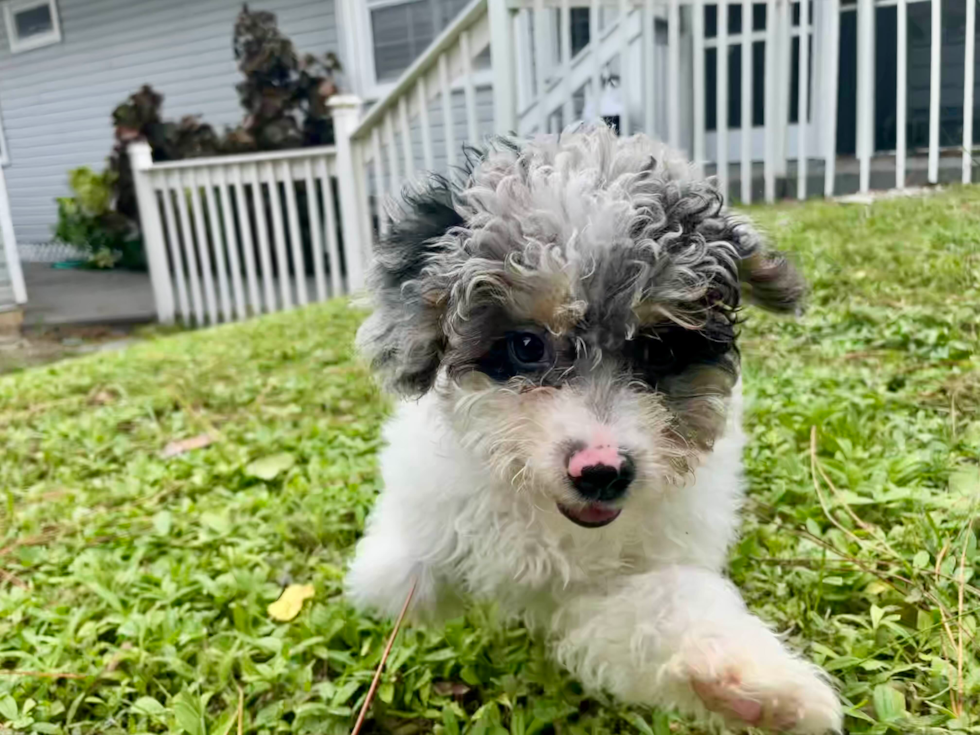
x: 63, y: 296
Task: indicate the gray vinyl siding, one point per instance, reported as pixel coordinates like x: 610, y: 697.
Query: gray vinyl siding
x: 56, y: 101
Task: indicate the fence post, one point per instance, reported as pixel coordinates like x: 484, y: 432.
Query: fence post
x: 8, y: 240
x: 141, y: 159
x: 346, y: 111
x: 502, y: 61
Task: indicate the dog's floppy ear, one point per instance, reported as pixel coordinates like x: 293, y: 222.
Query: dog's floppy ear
x: 404, y: 339
x: 768, y: 278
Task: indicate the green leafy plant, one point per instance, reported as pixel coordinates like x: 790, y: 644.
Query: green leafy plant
x: 89, y: 222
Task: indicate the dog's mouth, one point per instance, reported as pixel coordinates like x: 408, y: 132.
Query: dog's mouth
x: 593, y: 515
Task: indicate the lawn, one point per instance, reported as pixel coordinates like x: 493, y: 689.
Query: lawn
x: 134, y: 586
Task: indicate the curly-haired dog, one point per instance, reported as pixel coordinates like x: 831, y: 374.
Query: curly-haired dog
x: 565, y: 319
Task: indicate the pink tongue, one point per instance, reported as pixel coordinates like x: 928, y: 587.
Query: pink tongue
x: 595, y: 513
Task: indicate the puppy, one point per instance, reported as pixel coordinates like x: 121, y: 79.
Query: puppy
x: 563, y: 321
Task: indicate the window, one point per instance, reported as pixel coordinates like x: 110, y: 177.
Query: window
x: 383, y: 38
x: 31, y: 24
x: 400, y: 31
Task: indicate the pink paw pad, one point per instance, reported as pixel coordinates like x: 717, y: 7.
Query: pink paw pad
x: 725, y: 697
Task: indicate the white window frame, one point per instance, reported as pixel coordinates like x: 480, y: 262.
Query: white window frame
x: 17, y: 46
x: 359, y: 47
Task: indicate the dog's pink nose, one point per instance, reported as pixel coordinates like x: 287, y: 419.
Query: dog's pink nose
x: 599, y: 472
x: 603, y: 455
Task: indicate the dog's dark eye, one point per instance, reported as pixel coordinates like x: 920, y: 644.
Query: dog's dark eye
x: 656, y: 355
x: 518, y: 353
x: 527, y: 349
x: 674, y: 349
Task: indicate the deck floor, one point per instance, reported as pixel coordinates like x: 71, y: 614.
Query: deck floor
x: 58, y: 297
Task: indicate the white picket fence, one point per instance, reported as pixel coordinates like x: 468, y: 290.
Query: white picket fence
x: 235, y: 236
x: 201, y: 229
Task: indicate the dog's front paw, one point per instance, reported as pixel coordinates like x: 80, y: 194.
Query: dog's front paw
x: 765, y: 687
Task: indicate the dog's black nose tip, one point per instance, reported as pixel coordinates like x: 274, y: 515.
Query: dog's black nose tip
x: 604, y: 483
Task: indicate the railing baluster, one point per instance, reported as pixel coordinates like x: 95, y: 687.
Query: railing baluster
x: 771, y: 103
x: 934, y: 82
x: 445, y: 92
x: 673, y: 73
x: 245, y: 224
x: 830, y: 96
x: 697, y: 32
x: 278, y: 237
x: 330, y: 223
x: 365, y: 241
x: 203, y: 250
x: 190, y: 256
x: 469, y: 91
x: 568, y: 104
x: 523, y: 53
x: 625, y: 67
x: 295, y: 234
x: 649, y: 40
x: 219, y: 248
x: 154, y: 243
x: 405, y: 131
x: 316, y: 241
x: 784, y: 48
x: 968, y: 76
x: 596, y: 63
x: 901, y: 96
x: 426, y: 127
x: 173, y: 244
x: 865, y: 90
x: 802, y: 106
x: 379, y: 181
x: 265, y: 255
x: 541, y: 72
x: 721, y: 97
x: 394, y: 177
x: 746, y: 121
x: 231, y: 239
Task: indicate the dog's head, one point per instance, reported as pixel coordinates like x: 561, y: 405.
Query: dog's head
x: 574, y: 303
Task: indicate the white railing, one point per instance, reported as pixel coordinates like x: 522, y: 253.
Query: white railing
x: 421, y: 125
x: 659, y: 51
x: 513, y: 66
x: 232, y: 236
x: 8, y: 246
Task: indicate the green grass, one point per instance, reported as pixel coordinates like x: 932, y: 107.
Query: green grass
x: 148, y: 579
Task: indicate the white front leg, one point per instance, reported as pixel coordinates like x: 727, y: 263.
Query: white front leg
x: 682, y: 638
x: 411, y: 534
x: 400, y: 549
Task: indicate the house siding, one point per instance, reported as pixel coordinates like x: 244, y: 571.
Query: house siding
x: 57, y: 100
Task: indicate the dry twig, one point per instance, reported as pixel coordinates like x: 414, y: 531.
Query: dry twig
x: 384, y: 658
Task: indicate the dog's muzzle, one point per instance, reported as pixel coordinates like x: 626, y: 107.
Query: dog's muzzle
x: 600, y: 476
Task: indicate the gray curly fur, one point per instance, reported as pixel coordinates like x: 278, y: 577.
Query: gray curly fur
x: 601, y: 241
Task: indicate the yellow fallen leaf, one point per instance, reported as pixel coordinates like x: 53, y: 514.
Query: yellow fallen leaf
x: 290, y: 602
